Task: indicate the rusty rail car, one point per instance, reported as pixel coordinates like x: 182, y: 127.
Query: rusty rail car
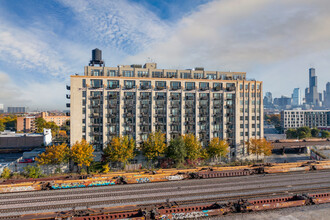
x: 174, y: 211
x: 156, y: 176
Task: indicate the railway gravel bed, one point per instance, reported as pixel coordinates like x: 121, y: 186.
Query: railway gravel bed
x: 204, y: 190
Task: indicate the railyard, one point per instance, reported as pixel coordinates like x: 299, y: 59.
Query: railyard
x: 105, y: 200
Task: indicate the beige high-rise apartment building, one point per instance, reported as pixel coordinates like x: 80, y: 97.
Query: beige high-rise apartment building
x: 135, y: 100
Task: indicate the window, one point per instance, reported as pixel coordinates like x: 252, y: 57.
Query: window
x: 84, y: 94
x: 241, y: 86
x: 217, y: 86
x: 198, y: 75
x: 113, y: 84
x: 241, y: 126
x: 143, y: 73
x: 211, y: 76
x: 129, y: 84
x: 160, y: 84
x: 258, y: 86
x: 96, y: 83
x: 246, y: 87
x: 84, y: 83
x: 203, y: 86
x: 96, y: 73
x: 190, y: 85
x: 186, y: 75
x: 175, y: 85
x: 112, y: 73
x: 145, y: 84
x: 128, y: 73
x: 172, y: 74
x: 252, y: 86
x: 157, y: 74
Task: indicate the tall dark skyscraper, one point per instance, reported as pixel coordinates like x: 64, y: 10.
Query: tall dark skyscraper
x: 311, y: 94
x: 326, y: 100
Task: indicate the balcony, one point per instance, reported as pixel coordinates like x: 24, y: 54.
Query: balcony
x: 95, y: 106
x: 112, y: 96
x: 129, y: 97
x: 95, y: 115
x: 144, y: 106
x: 129, y: 87
x: 68, y: 105
x: 112, y: 133
x: 68, y: 96
x: 113, y: 115
x: 144, y: 97
x: 175, y: 97
x: 217, y: 88
x: 68, y: 87
x: 145, y: 87
x: 175, y: 87
x: 189, y: 123
x: 204, y: 98
x: 217, y: 106
x: 176, y: 105
x: 93, y: 124
x: 158, y: 97
x: 113, y: 87
x: 190, y: 98
x: 160, y: 87
x: 204, y: 88
x: 230, y: 88
x: 95, y: 97
x: 96, y: 133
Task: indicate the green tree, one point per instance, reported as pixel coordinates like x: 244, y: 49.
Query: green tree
x: 32, y: 171
x: 315, y: 132
x: 193, y: 146
x: 154, y: 146
x: 121, y: 149
x: 176, y: 150
x: 6, y: 174
x: 217, y: 148
x: 291, y: 133
x: 303, y: 132
x: 82, y: 153
x: 325, y: 134
x: 40, y: 124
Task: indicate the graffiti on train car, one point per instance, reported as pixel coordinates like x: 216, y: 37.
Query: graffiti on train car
x: 18, y: 189
x: 186, y: 215
x: 83, y: 184
x: 143, y: 180
x: 175, y: 177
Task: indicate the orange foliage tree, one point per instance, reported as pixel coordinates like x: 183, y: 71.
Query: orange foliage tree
x: 82, y: 153
x: 120, y: 149
x: 259, y: 147
x: 54, y: 155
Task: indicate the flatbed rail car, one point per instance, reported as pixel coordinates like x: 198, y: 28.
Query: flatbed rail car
x: 159, y: 176
x: 175, y: 211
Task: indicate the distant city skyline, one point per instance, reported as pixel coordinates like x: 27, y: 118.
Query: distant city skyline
x: 42, y: 43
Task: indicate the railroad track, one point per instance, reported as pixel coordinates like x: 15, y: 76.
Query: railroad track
x: 150, y: 186
x: 199, y: 190
x: 111, y: 194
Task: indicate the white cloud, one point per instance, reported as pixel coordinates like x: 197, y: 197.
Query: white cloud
x: 256, y: 36
x: 122, y: 25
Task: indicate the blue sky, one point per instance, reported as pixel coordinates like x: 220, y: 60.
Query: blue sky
x: 42, y: 43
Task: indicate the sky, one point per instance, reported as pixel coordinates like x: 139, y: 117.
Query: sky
x: 42, y: 43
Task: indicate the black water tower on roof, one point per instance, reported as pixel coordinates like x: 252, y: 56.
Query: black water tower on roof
x: 96, y: 57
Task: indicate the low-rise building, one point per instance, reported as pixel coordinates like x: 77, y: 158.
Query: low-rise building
x: 26, y: 124
x: 301, y: 118
x: 58, y: 119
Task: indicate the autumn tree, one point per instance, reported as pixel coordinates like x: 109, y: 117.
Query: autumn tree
x: 154, y: 145
x: 193, y: 146
x: 2, y: 125
x: 82, y: 153
x: 42, y: 123
x: 121, y: 149
x: 54, y: 155
x: 259, y: 147
x: 217, y: 148
x: 176, y: 150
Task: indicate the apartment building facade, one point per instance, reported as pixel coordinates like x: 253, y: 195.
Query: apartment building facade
x: 301, y: 118
x: 26, y: 124
x: 133, y: 100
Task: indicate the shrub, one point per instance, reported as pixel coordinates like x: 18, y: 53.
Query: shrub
x: 6, y: 174
x: 32, y: 171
